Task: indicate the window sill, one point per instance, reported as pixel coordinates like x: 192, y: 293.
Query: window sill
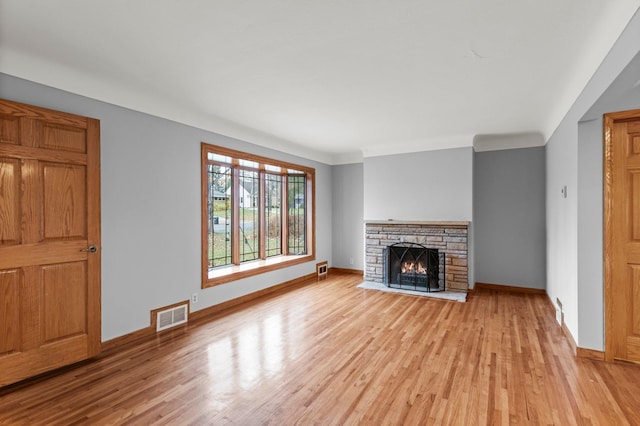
x: 236, y: 272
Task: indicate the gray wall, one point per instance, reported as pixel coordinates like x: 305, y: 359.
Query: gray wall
x: 574, y: 226
x: 151, y: 209
x: 590, y: 235
x: 347, y: 216
x: 429, y: 185
x: 622, y: 94
x: 509, y: 217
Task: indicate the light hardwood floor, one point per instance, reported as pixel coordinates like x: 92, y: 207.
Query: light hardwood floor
x: 332, y: 354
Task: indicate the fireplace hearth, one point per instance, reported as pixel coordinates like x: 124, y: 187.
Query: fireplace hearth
x: 413, y: 266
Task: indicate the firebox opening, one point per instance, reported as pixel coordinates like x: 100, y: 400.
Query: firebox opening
x: 412, y: 266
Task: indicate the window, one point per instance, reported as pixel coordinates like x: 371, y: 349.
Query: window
x: 296, y: 204
x: 273, y: 214
x: 257, y: 214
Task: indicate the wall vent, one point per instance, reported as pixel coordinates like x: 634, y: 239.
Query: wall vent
x: 322, y: 269
x: 172, y: 317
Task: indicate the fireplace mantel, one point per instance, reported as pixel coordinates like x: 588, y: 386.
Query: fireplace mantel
x: 416, y: 222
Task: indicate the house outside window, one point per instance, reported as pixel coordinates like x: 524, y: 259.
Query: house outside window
x: 257, y: 214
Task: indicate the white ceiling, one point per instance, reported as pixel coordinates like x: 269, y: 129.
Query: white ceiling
x: 331, y: 80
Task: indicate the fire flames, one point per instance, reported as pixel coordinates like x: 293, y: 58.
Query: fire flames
x: 413, y: 268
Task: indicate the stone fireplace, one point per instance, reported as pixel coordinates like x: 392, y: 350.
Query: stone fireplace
x: 445, y: 255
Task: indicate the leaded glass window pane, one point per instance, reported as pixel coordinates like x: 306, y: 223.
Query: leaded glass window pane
x: 296, y: 185
x: 272, y: 214
x: 249, y: 219
x: 220, y: 218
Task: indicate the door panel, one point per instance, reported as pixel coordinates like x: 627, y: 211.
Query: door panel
x: 634, y: 300
x: 9, y: 129
x: 64, y: 300
x: 10, y: 284
x: 49, y: 215
x: 64, y: 138
x: 634, y: 205
x: 9, y: 201
x: 64, y: 210
x: 634, y: 148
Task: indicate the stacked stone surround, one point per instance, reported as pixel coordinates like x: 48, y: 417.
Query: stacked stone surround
x: 448, y: 237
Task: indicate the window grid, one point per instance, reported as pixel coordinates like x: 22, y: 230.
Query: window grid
x: 219, y: 203
x: 249, y: 219
x: 296, y: 190
x: 273, y: 215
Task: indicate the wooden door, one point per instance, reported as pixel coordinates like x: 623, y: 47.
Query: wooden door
x: 49, y: 219
x: 622, y: 235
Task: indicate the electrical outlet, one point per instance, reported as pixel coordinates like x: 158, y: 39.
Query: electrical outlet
x: 351, y: 261
x: 194, y: 298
